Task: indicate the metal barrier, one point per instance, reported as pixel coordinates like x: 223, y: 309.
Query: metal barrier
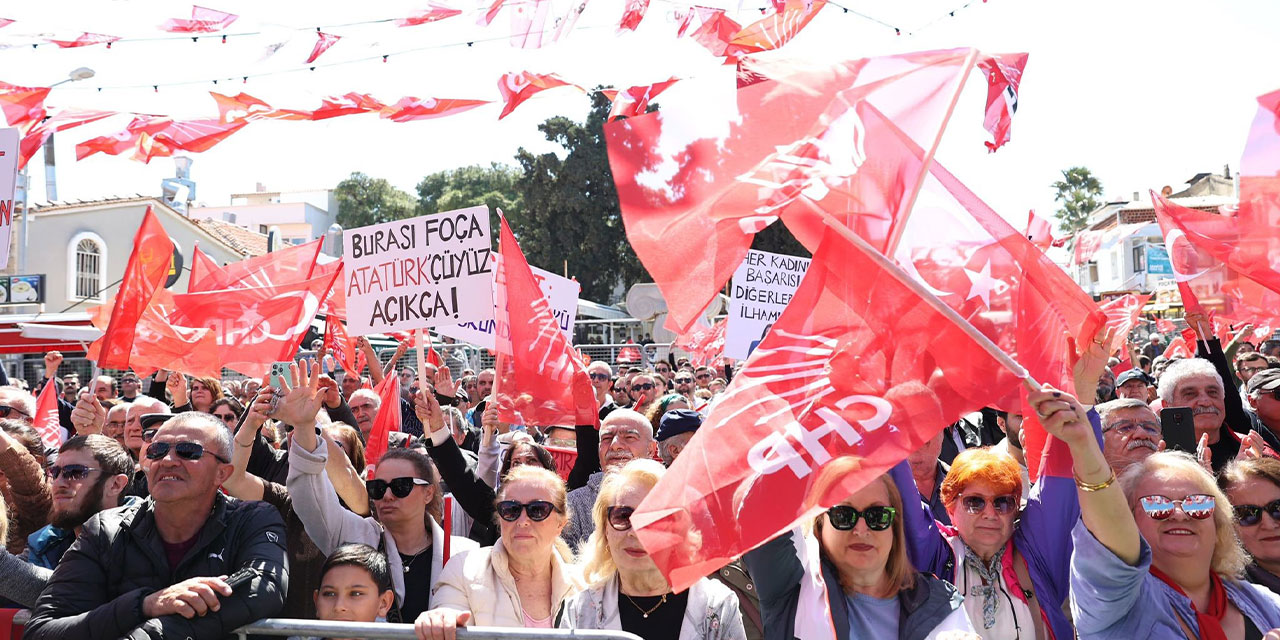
x: 388, y: 631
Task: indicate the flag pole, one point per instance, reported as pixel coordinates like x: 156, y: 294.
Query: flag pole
x: 901, y: 276
x: 899, y: 223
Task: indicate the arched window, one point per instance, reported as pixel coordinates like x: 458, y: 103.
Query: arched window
x: 86, y: 273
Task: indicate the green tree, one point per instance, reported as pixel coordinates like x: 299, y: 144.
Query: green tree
x: 570, y: 211
x: 494, y: 185
x: 364, y: 201
x: 1079, y: 193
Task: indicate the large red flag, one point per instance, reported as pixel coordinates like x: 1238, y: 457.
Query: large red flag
x: 286, y: 266
x: 46, y: 418
x: 144, y: 274
x: 162, y: 345
x: 540, y: 379
x: 1039, y: 231
x: 386, y: 421
x: 1178, y: 348
x: 160, y: 137
x: 862, y: 363
x: 697, y: 179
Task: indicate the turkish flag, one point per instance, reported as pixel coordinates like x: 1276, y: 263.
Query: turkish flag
x: 410, y: 108
x: 144, y: 274
x: 1122, y: 316
x: 39, y: 132
x: 540, y: 380
x: 86, y: 40
x: 386, y: 421
x: 1039, y: 231
x: 337, y: 342
x: 861, y: 369
x: 46, y: 419
x: 1004, y: 74
x: 775, y: 29
x: 632, y: 15
x: 22, y: 105
x: 202, y: 21
x: 434, y: 11
x: 518, y: 87
x: 323, y: 42
x: 634, y: 101
x: 287, y: 266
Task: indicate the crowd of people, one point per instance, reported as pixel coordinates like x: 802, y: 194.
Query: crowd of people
x: 182, y: 507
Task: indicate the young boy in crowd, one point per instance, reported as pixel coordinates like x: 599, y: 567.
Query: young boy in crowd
x: 355, y: 586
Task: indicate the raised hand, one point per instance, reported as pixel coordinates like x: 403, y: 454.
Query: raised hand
x: 332, y: 396
x: 258, y: 411
x: 298, y: 405
x: 1090, y: 363
x: 89, y: 415
x: 444, y: 382
x: 177, y: 386
x: 1200, y: 323
x: 428, y: 410
x: 52, y: 361
x: 1204, y: 455
x: 1062, y: 415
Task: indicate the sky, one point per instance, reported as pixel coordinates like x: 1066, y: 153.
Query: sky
x: 1143, y: 93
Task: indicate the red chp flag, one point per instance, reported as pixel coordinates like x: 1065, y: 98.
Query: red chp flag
x: 46, y: 419
x: 634, y: 101
x: 775, y: 29
x: 697, y: 179
x: 144, y: 274
x: 703, y: 344
x: 1004, y: 74
x: 160, y: 137
x: 337, y: 342
x: 35, y: 137
x: 410, y: 108
x: 540, y: 379
x: 518, y: 87
x: 287, y: 266
x: 860, y: 370
x: 386, y: 421
x: 1178, y: 348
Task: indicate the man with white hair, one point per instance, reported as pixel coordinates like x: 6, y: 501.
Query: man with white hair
x: 364, y: 405
x: 1130, y: 432
x: 624, y: 436
x: 1196, y: 383
x: 1153, y: 348
x: 16, y: 404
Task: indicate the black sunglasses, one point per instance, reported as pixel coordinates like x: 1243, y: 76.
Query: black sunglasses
x: 70, y: 472
x: 400, y: 487
x: 538, y: 510
x: 186, y: 450
x: 642, y: 387
x: 620, y: 517
x: 5, y: 410
x: 1003, y: 505
x: 683, y: 380
x: 599, y: 376
x: 226, y: 417
x: 845, y: 517
x: 1249, y: 515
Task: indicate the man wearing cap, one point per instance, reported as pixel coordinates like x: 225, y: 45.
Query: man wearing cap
x: 1134, y: 384
x: 1262, y: 389
x: 675, y: 429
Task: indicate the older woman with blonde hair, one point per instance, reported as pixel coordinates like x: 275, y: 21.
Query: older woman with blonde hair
x: 1155, y: 551
x: 626, y: 590
x: 524, y: 579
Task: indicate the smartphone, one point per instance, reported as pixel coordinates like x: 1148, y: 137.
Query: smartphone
x: 280, y: 374
x: 1179, y: 429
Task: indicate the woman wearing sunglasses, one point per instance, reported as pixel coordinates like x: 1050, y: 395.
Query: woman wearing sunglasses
x: 627, y: 591
x: 1155, y: 552
x: 524, y: 578
x: 227, y: 410
x: 1253, y: 486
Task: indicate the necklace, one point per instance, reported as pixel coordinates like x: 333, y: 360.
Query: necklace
x: 415, y: 559
x: 641, y: 609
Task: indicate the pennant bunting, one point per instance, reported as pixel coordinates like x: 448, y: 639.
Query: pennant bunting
x: 435, y: 11
x: 518, y: 87
x: 323, y: 42
x: 202, y: 21
x: 409, y: 109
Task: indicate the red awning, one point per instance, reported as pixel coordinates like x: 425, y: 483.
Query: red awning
x: 39, y: 333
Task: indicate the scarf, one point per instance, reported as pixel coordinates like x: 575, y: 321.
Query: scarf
x: 990, y: 590
x: 1210, y: 622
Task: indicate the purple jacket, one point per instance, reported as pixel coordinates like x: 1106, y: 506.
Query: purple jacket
x: 1042, y: 536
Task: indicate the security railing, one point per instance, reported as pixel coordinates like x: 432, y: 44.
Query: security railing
x: 387, y: 631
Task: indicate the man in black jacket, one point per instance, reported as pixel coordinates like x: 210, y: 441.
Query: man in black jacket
x: 159, y: 568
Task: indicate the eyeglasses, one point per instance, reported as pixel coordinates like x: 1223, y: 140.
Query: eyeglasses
x: 663, y: 370
x: 186, y: 450
x: 1196, y: 506
x: 5, y: 410
x: 844, y: 517
x: 116, y: 424
x: 400, y: 487
x: 1126, y: 427
x: 1251, y: 514
x: 703, y: 376
x: 226, y: 417
x: 1003, y: 505
x: 538, y: 510
x: 642, y: 387
x: 70, y: 472
x: 619, y: 517
x: 600, y: 376
x: 684, y: 380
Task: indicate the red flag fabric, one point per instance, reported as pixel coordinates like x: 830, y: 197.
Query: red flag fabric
x: 528, y: 23
x: 287, y: 266
x: 46, y: 418
x: 35, y: 137
x: 86, y: 40
x: 632, y: 15
x: 202, y: 21
x: 434, y: 11
x: 144, y: 274
x: 386, y: 421
x: 345, y: 105
x: 492, y: 12
x: 634, y: 101
x: 1004, y: 74
x: 540, y: 380
x: 704, y: 344
x: 160, y: 137
x: 1039, y: 231
x: 243, y: 106
x: 323, y: 42
x: 4, y: 22
x: 859, y: 371
x: 1122, y: 316
x: 337, y: 342
x: 716, y: 32
x: 775, y: 29
x: 1178, y: 348
x: 22, y: 105
x: 1165, y: 326
x: 336, y: 303
x: 410, y: 108
x: 697, y: 179
x: 518, y: 87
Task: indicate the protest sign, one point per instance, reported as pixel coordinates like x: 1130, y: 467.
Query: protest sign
x: 761, y: 288
x: 8, y: 184
x: 419, y: 273
x: 562, y: 297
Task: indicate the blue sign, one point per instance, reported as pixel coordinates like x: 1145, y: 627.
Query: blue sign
x: 1158, y: 260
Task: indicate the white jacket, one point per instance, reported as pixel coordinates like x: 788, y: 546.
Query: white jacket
x: 712, y: 612
x: 480, y: 581
x: 330, y: 525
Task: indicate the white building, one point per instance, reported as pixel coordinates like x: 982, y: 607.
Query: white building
x: 301, y: 216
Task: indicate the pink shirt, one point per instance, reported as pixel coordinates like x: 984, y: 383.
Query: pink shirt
x: 532, y: 623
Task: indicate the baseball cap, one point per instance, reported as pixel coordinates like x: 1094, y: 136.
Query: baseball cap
x: 1265, y: 380
x: 1133, y: 374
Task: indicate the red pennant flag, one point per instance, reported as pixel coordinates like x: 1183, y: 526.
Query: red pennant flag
x: 288, y: 266
x: 409, y: 109
x: 699, y: 178
x: 703, y: 343
x: 386, y: 421
x: 634, y: 101
x: 4, y: 22
x: 540, y: 378
x: 345, y: 105
x: 36, y: 136
x: 1122, y: 316
x: 518, y: 87
x: 144, y: 274
x: 1004, y: 74
x: 487, y: 17
x: 1039, y: 231
x: 86, y: 40
x: 434, y: 11
x: 717, y: 31
x: 337, y: 342
x: 160, y: 137
x: 862, y: 364
x: 22, y: 105
x: 632, y: 15
x: 528, y: 23
x: 775, y: 29
x: 46, y: 419
x: 323, y: 42
x: 243, y: 106
x: 1165, y: 326
x: 1178, y: 348
x: 202, y: 21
